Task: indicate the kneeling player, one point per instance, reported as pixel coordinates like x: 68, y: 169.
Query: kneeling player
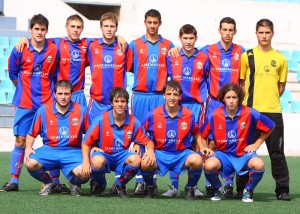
x: 232, y: 127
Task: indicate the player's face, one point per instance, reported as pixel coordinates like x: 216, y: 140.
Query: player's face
x: 152, y: 25
x: 264, y: 36
x: 119, y: 105
x: 38, y: 33
x: 227, y: 32
x: 231, y: 101
x: 74, y: 29
x: 172, y: 97
x: 109, y: 29
x: 63, y: 96
x: 188, y: 42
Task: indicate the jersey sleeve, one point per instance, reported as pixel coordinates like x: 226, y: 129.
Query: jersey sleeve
x: 263, y: 123
x: 283, y: 71
x: 36, y: 125
x: 205, y: 129
x: 92, y: 133
x: 129, y: 58
x: 14, y: 64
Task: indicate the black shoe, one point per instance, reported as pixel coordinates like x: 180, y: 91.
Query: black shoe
x: 148, y: 192
x: 189, y: 193
x: 155, y: 190
x: 283, y: 196
x: 96, y: 189
x: 60, y: 188
x: 113, y: 189
x: 122, y: 192
x: 139, y: 188
x: 239, y: 195
x: 10, y: 187
x: 209, y: 192
x: 228, y: 191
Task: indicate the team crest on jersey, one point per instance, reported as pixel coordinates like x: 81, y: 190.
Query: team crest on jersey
x: 225, y: 63
x: 83, y: 48
x: 176, y: 63
x: 28, y: 59
x: 153, y: 58
x: 187, y: 71
x: 63, y: 130
x: 236, y: 56
x: 231, y: 134
x: 75, y: 54
x: 183, y: 125
x: 267, y: 68
x: 129, y: 135
x: 96, y: 51
x: 141, y: 51
x: 37, y: 67
x: 220, y: 126
x: 273, y: 63
x: 214, y: 54
x: 199, y: 65
x: 107, y: 59
x: 171, y: 134
x: 49, y: 59
x: 159, y: 125
x: 243, y: 125
x: 75, y: 121
x: 119, y: 52
x: 164, y: 51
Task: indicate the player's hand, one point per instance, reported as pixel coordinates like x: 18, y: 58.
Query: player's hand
x: 137, y: 149
x: 122, y: 43
x: 207, y: 152
x: 149, y: 157
x: 28, y: 152
x: 21, y: 44
x: 96, y: 149
x: 86, y: 169
x: 251, y: 148
x: 174, y: 52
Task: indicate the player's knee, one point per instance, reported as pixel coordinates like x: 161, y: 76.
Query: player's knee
x: 211, y: 165
x: 20, y: 141
x: 32, y: 165
x: 134, y: 160
x: 145, y: 166
x: 195, y: 160
x: 98, y: 162
x: 256, y: 164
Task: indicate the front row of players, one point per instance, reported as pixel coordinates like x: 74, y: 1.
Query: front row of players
x: 105, y: 146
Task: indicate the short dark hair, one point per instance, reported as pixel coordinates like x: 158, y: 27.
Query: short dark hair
x: 173, y: 85
x: 109, y: 16
x: 265, y: 23
x: 40, y: 20
x: 231, y: 87
x: 74, y: 17
x: 227, y: 20
x: 187, y: 29
x: 153, y: 13
x: 118, y: 93
x: 63, y: 84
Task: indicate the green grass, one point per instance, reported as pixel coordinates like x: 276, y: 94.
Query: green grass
x: 27, y: 199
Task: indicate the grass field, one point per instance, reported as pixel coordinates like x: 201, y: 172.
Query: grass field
x: 27, y: 199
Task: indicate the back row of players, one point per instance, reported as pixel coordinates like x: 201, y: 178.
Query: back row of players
x: 200, y: 74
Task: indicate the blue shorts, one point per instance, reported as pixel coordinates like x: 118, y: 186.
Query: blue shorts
x: 95, y: 109
x: 143, y: 102
x: 232, y: 163
x: 63, y: 158
x: 172, y: 161
x: 23, y: 120
x: 79, y: 97
x: 114, y: 162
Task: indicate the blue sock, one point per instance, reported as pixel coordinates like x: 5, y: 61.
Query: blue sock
x: 128, y: 173
x: 42, y: 176
x: 148, y: 177
x: 76, y: 181
x: 17, y: 158
x: 174, y: 177
x: 99, y: 175
x: 117, y: 176
x: 193, y: 177
x: 213, y: 178
x: 254, y: 179
x: 54, y: 174
x: 229, y: 179
x: 139, y: 177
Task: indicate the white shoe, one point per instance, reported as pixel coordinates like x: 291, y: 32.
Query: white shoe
x: 197, y: 191
x: 172, y: 192
x: 46, y: 189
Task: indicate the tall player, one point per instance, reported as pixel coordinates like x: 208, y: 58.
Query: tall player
x: 61, y: 124
x: 33, y: 73
x: 189, y: 69
x: 147, y: 60
x: 225, y: 58
x: 232, y: 127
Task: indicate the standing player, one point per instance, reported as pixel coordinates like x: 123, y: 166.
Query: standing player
x: 61, y: 125
x: 33, y: 72
x: 147, y: 60
x: 263, y: 79
x: 232, y: 127
x: 112, y: 133
x: 170, y: 127
x: 225, y: 58
x: 189, y: 69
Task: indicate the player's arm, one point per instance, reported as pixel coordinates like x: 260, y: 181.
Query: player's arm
x: 122, y: 43
x: 24, y: 41
x: 86, y: 167
x: 242, y: 82
x: 28, y: 147
x: 149, y: 155
x: 281, y: 87
x: 174, y: 51
x: 203, y: 146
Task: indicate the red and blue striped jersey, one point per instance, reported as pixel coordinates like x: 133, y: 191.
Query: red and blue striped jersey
x: 171, y: 134
x: 148, y: 62
x: 108, y: 67
x: 233, y: 135
x: 191, y: 73
x: 73, y: 61
x: 58, y: 130
x: 225, y: 66
x: 35, y: 73
x: 106, y: 135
